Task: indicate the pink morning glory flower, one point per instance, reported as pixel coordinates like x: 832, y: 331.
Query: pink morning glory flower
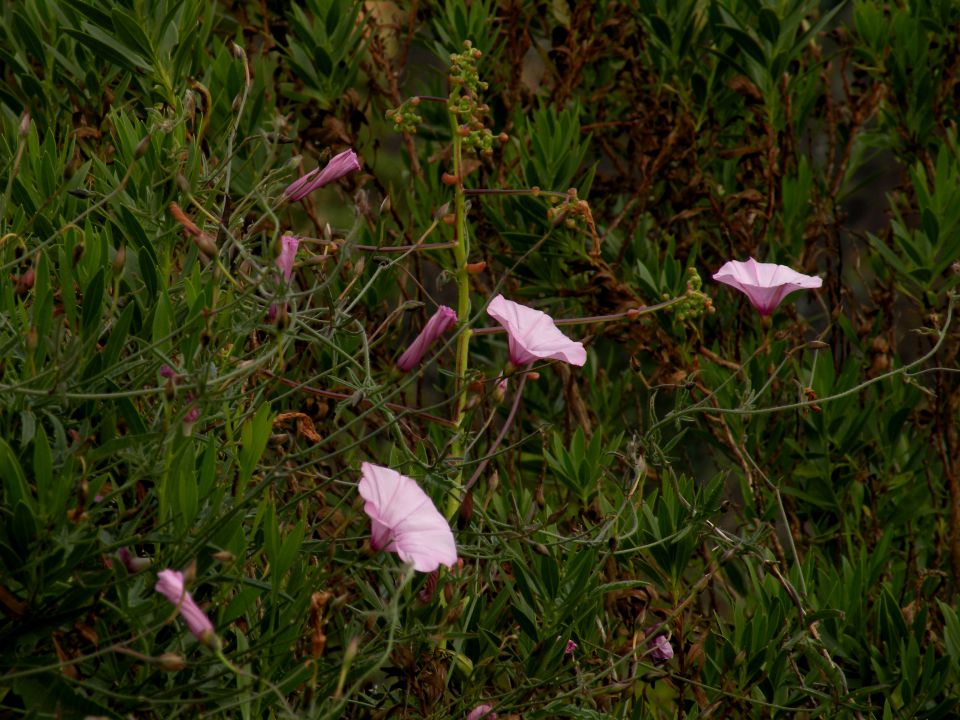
x: 339, y: 165
x: 441, y: 321
x: 170, y: 585
x: 288, y: 254
x: 482, y: 712
x: 765, y: 284
x: 532, y: 335
x: 405, y: 520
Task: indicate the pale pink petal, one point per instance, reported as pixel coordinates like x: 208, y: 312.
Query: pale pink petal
x: 532, y: 334
x: 405, y: 520
x: 482, y: 712
x: 339, y: 165
x: 170, y: 585
x: 441, y: 321
x: 288, y: 254
x: 765, y: 284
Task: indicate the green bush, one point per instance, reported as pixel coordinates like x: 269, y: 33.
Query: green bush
x: 720, y: 514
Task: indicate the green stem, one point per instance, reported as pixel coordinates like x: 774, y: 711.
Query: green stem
x: 460, y: 253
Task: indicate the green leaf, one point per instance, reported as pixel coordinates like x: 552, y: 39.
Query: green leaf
x: 92, y: 303
x: 769, y: 25
x: 951, y: 631
x: 130, y: 30
x: 109, y: 48
x: 14, y: 481
x: 254, y: 436
x: 43, y: 470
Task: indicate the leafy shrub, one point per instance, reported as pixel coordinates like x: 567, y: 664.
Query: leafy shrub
x: 717, y: 514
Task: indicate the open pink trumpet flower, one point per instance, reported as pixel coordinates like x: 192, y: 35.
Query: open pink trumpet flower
x: 288, y: 255
x: 441, y: 321
x: 170, y: 585
x: 765, y: 284
x: 532, y: 335
x: 405, y: 520
x: 339, y: 165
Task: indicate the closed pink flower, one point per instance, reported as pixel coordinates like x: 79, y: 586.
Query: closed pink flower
x: 532, y: 335
x: 765, y: 284
x: 441, y: 321
x: 339, y: 165
x: 405, y: 520
x: 662, y: 649
x: 288, y: 254
x: 131, y: 562
x: 482, y: 712
x: 170, y: 585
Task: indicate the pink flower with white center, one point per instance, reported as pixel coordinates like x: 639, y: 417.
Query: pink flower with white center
x: 288, y: 254
x: 765, y: 284
x: 441, y: 321
x: 170, y: 585
x: 482, y: 712
x: 405, y: 520
x: 339, y: 165
x: 532, y: 335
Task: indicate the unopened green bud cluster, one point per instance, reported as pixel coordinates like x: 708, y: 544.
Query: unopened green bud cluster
x: 405, y: 118
x: 694, y: 301
x: 464, y: 101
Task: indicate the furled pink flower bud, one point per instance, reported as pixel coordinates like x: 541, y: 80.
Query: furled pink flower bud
x: 441, y: 321
x: 571, y: 646
x: 288, y: 254
x: 166, y: 371
x: 170, y: 585
x: 339, y: 165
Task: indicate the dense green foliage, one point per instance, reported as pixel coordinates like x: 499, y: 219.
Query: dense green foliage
x: 779, y: 496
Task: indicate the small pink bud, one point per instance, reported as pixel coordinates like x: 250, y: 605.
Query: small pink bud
x: 171, y: 662
x: 288, y: 255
